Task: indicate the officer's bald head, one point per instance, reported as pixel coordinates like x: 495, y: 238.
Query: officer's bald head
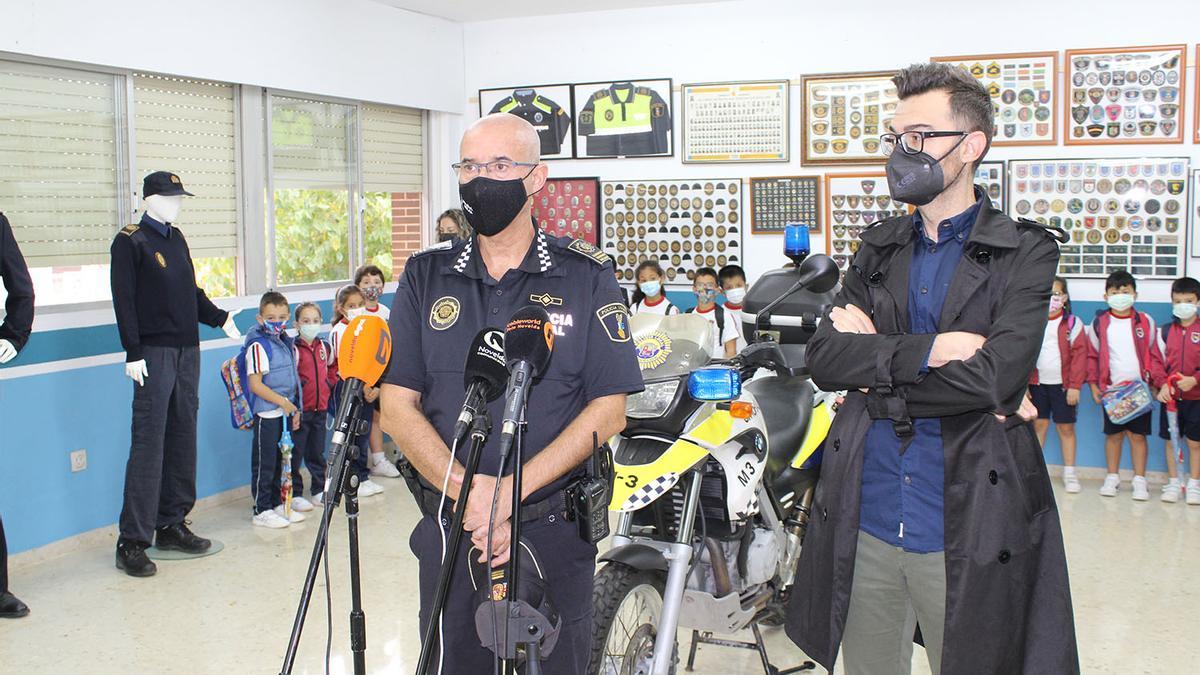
x: 501, y: 136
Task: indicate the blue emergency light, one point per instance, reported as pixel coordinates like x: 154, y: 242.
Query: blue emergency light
x: 795, y: 242
x: 715, y: 384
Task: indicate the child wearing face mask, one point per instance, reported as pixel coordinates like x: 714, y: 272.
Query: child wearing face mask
x: 1122, y: 347
x: 349, y: 304
x: 704, y: 285
x: 275, y: 393
x: 732, y: 279
x: 316, y: 380
x: 370, y: 280
x: 1060, y: 373
x: 649, y: 295
x: 1179, y: 342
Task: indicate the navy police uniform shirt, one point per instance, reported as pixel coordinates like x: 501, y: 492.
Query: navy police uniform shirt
x: 446, y: 296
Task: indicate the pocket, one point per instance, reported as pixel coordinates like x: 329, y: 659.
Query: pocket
x: 1032, y: 477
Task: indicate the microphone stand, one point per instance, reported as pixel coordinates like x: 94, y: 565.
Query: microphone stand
x: 341, y: 481
x: 481, y: 427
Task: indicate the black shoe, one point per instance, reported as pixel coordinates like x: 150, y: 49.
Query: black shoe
x: 178, y: 537
x: 11, y: 607
x: 131, y: 557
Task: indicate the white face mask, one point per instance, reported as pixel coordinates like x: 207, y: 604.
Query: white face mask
x: 352, y: 314
x: 1184, y: 310
x: 1120, y: 301
x: 308, y: 331
x: 735, y: 296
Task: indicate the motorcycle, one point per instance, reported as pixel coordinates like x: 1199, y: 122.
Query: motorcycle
x: 714, y: 480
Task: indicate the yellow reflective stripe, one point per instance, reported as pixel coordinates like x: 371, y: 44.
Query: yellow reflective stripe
x: 715, y: 430
x: 677, y: 459
x: 818, y: 429
x: 512, y: 103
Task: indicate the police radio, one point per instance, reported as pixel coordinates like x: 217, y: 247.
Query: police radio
x: 588, y: 496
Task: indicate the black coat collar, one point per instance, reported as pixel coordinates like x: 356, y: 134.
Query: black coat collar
x: 992, y: 228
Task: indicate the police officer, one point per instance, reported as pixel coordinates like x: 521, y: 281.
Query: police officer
x: 158, y: 306
x: 449, y: 293
x: 14, y: 332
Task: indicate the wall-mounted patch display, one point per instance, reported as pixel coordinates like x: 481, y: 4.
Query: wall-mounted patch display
x: 570, y: 207
x: 990, y: 176
x: 624, y: 118
x: 547, y: 107
x: 1121, y: 214
x: 1024, y: 91
x: 843, y: 115
x: 735, y: 122
x: 1125, y: 95
x: 1195, y: 210
x: 683, y: 224
x: 854, y: 202
x: 780, y: 201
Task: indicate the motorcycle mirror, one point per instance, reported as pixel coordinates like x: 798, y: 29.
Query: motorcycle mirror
x: 818, y: 273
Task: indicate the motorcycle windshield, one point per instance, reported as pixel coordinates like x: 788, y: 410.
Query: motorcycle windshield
x: 671, y: 346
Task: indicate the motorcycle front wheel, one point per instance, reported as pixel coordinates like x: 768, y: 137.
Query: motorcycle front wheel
x: 627, y: 607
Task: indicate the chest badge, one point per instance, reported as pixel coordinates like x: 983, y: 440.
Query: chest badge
x: 444, y: 313
x: 1196, y: 338
x: 162, y: 262
x: 545, y: 300
x: 615, y: 319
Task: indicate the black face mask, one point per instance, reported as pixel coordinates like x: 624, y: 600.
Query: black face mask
x: 490, y: 204
x: 917, y: 179
x: 446, y: 236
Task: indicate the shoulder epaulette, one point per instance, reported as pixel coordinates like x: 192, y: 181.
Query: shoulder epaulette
x: 582, y: 248
x: 1056, y: 233
x: 603, y: 93
x: 130, y: 230
x: 440, y: 246
x: 644, y: 91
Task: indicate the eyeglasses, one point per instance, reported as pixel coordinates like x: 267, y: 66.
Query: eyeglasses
x: 913, y: 142
x: 502, y: 169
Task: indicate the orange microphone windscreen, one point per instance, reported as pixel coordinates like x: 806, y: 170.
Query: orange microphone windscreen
x: 365, y: 349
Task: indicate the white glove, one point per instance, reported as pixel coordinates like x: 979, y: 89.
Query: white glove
x: 136, y: 371
x: 230, y: 327
x: 7, y: 351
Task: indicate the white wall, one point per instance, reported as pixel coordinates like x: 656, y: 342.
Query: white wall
x: 354, y: 49
x: 775, y: 39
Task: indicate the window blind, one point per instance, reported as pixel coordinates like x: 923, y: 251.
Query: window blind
x: 392, y: 149
x: 311, y: 142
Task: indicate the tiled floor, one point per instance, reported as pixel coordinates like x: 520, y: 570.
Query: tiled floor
x: 1135, y: 574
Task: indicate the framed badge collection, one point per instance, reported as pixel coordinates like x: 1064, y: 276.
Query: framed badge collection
x: 990, y: 176
x: 548, y: 107
x: 1024, y: 91
x: 1125, y: 95
x: 570, y: 207
x: 684, y: 224
x: 780, y: 201
x: 735, y: 122
x: 624, y: 118
x: 1127, y: 213
x: 1195, y: 213
x: 853, y: 202
x: 843, y: 116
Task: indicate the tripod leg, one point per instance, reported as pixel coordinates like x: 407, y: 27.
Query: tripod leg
x: 358, y: 620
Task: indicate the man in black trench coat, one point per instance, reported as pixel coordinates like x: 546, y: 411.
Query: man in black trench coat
x: 934, y: 505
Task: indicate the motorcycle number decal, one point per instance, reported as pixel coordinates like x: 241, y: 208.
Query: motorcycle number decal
x: 629, y: 481
x: 650, y: 491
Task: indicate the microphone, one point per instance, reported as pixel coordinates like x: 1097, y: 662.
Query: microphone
x: 528, y: 342
x: 484, y: 377
x: 362, y: 357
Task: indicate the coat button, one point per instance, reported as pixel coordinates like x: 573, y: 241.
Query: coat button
x: 1004, y: 557
x: 837, y: 444
x: 993, y: 477
x: 824, y: 514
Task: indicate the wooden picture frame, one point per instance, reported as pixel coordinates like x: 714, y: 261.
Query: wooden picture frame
x: 734, y: 122
x: 1092, y: 92
x: 550, y: 126
x: 819, y: 145
x: 1015, y: 75
x: 801, y: 203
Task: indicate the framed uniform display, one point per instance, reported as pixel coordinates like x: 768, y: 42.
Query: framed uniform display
x: 990, y: 176
x: 843, y: 115
x: 854, y: 202
x: 780, y: 201
x: 548, y: 107
x: 735, y: 122
x: 1125, y: 95
x: 1120, y: 213
x: 683, y: 224
x: 570, y: 207
x: 624, y: 118
x: 1024, y: 91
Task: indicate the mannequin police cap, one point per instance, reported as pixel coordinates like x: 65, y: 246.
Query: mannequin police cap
x: 163, y: 183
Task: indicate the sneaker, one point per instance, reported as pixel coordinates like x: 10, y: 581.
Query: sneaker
x: 295, y: 517
x: 1193, y: 492
x: 368, y: 488
x: 1141, y: 491
x: 1112, y: 485
x: 1071, y: 482
x: 1170, y: 491
x: 318, y: 499
x: 179, y: 537
x: 384, y: 469
x: 132, y: 559
x: 270, y: 519
x: 301, y: 504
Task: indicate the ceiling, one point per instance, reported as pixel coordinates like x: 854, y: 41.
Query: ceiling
x: 486, y: 10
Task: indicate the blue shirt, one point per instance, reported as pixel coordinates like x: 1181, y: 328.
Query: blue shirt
x: 162, y: 228
x: 902, y: 493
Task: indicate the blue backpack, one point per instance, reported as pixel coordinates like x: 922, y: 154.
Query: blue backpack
x: 237, y: 386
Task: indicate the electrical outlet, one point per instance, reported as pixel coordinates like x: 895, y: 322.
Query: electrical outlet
x: 78, y: 460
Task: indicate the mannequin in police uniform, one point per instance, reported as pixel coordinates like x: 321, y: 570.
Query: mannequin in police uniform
x: 14, y: 332
x: 449, y: 293
x: 158, y: 306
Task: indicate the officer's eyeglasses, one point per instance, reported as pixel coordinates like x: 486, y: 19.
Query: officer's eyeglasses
x: 913, y: 142
x: 501, y: 169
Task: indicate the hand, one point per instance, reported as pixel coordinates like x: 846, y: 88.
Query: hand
x: 501, y: 540
x: 296, y: 422
x: 1164, y: 394
x: 954, y: 346
x: 1096, y: 394
x: 7, y: 351
x: 136, y: 371
x: 1072, y: 397
x: 479, y: 502
x: 851, y: 319
x: 230, y: 327
x: 370, y: 394
x: 1186, y: 383
x: 1027, y: 411
x: 289, y: 408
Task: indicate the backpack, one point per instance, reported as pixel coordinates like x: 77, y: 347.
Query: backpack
x: 720, y: 321
x: 241, y: 399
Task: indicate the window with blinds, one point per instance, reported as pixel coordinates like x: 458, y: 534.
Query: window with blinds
x: 59, y: 163
x: 392, y: 171
x: 189, y: 127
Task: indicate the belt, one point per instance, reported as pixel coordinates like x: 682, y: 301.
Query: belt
x: 428, y: 501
